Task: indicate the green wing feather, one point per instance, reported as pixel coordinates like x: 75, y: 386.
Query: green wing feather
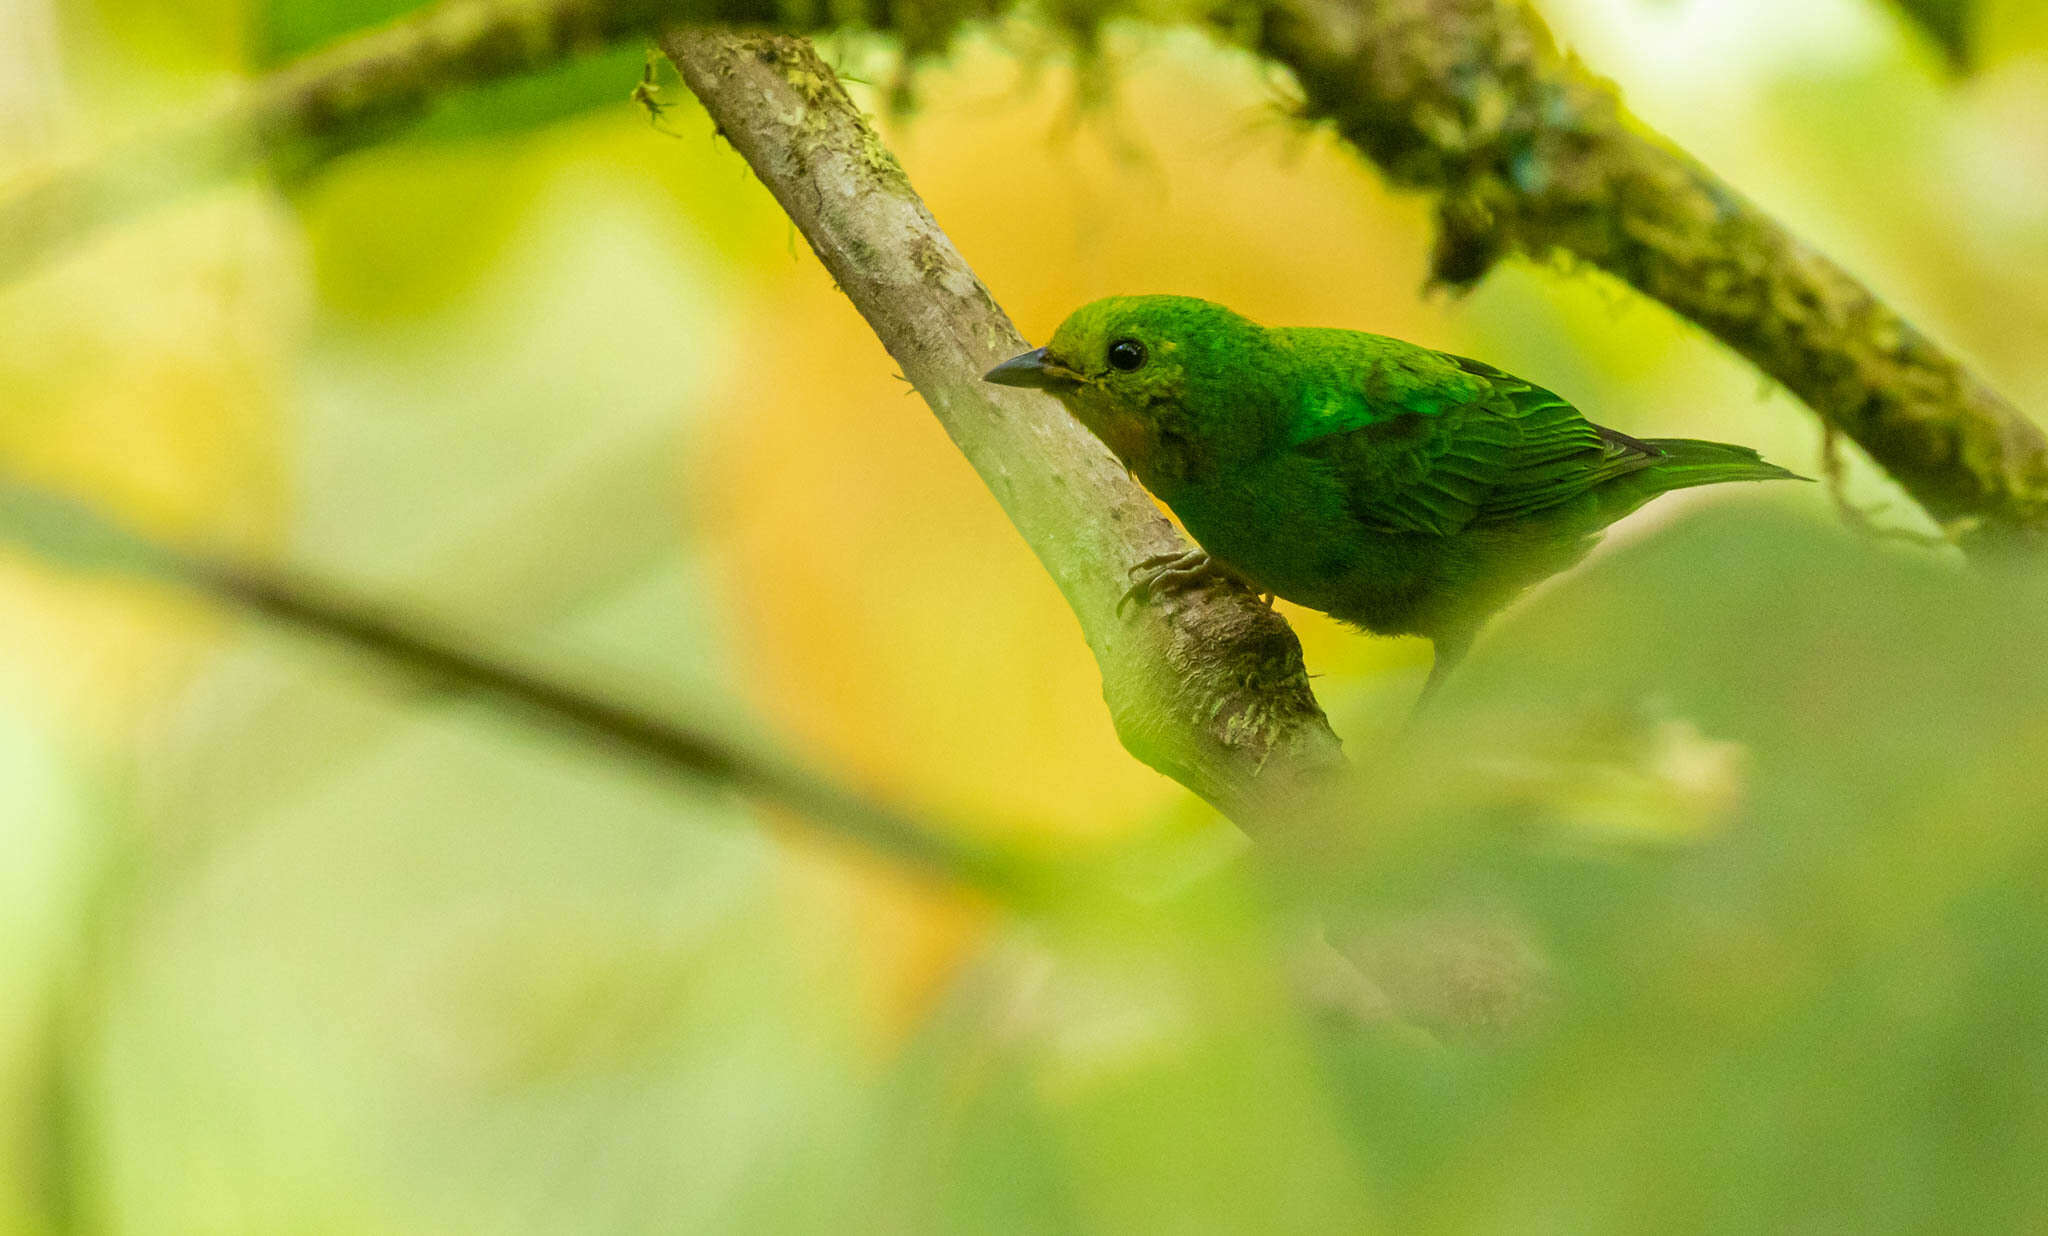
x: 1432, y: 443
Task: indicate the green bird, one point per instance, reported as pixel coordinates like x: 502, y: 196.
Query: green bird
x: 1401, y: 489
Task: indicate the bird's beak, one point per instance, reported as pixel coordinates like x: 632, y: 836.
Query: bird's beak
x: 1035, y: 369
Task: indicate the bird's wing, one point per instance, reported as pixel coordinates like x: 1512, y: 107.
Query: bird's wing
x: 1432, y: 443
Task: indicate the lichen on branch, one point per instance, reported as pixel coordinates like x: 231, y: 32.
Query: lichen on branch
x: 1528, y: 152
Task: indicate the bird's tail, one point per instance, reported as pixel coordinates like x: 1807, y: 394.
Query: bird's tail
x: 1688, y: 462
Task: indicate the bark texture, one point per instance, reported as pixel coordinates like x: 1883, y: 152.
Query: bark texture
x: 1208, y: 688
x: 1530, y: 153
x: 1468, y: 99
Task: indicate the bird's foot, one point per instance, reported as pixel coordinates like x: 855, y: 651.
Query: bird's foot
x: 1449, y: 651
x: 1164, y: 574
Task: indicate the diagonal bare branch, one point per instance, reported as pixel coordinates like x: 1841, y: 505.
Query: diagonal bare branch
x: 1209, y: 689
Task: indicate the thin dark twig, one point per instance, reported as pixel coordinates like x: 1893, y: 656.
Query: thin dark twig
x: 67, y: 531
x: 609, y: 723
x: 1861, y: 519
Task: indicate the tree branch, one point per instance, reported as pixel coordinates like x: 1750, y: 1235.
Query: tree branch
x: 1528, y: 152
x: 447, y: 661
x: 357, y: 91
x: 1469, y: 99
x: 1209, y: 688
x: 66, y: 532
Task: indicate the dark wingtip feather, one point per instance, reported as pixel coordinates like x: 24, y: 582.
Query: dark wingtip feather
x: 1617, y: 438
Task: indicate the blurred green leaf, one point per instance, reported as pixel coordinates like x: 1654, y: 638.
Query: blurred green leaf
x: 1948, y: 23
x: 55, y: 527
x: 587, y: 83
x: 286, y: 29
x: 173, y: 36
x: 1769, y: 798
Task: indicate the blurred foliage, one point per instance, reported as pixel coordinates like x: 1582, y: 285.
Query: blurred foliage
x: 282, y: 949
x: 1947, y: 22
x: 285, y: 29
x: 1821, y: 1008
x: 288, y: 28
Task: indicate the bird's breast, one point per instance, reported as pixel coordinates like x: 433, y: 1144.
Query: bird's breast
x: 1287, y: 527
x: 1130, y: 438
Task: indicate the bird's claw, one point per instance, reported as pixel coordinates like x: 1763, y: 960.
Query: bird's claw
x: 1163, y: 574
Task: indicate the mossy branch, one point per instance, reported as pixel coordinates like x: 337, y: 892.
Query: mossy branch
x: 1530, y: 153
x: 355, y: 92
x: 1209, y: 688
x: 1468, y: 99
x: 370, y: 86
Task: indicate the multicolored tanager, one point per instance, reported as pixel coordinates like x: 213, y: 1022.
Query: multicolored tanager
x: 1405, y: 490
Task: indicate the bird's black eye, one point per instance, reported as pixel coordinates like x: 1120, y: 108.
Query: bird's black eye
x: 1127, y: 354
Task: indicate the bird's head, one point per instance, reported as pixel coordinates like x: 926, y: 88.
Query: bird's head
x: 1165, y: 381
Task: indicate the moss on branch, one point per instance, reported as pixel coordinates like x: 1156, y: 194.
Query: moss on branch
x: 1468, y: 99
x: 1471, y: 100
x: 370, y: 86
x: 1528, y: 152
